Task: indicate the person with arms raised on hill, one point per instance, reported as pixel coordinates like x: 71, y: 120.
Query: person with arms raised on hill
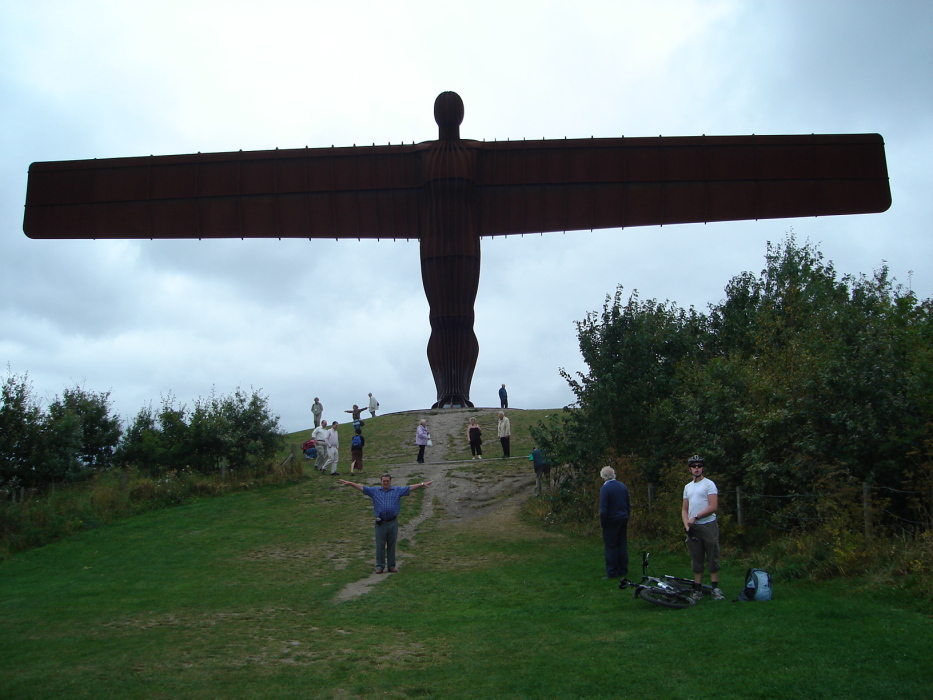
x: 387, y: 503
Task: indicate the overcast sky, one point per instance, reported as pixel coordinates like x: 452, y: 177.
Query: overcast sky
x: 338, y: 319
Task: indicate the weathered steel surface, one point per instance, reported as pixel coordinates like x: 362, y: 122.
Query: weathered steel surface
x: 520, y: 187
x: 450, y: 192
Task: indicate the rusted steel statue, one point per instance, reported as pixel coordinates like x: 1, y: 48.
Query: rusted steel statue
x: 450, y: 192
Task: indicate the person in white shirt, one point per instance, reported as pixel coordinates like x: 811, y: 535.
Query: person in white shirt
x: 701, y: 500
x: 333, y: 443
x: 505, y: 434
x: 320, y: 441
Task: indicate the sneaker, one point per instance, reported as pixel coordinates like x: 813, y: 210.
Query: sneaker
x: 696, y: 596
x: 393, y: 570
x: 378, y: 569
x: 718, y: 594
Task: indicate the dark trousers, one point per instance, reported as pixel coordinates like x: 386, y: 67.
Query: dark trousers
x: 505, y: 446
x: 421, y: 453
x: 615, y: 540
x: 386, y: 537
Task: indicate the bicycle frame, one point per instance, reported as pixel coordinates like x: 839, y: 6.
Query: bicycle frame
x: 667, y: 591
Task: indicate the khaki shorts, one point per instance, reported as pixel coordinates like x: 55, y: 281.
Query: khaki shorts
x: 704, y: 547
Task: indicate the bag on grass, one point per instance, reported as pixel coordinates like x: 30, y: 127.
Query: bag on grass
x: 757, y: 585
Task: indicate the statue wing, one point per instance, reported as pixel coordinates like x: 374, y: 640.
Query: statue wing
x: 356, y: 192
x: 565, y: 185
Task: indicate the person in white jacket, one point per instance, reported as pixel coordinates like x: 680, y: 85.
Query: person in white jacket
x: 333, y: 443
x: 505, y: 434
x: 320, y: 442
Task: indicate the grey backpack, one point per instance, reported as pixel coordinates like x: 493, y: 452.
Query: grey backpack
x: 757, y: 585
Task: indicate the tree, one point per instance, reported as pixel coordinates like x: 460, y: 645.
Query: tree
x: 799, y: 377
x: 35, y: 449
x: 100, y: 432
x: 238, y: 428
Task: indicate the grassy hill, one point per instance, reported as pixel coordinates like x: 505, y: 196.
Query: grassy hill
x: 236, y: 597
x: 390, y: 438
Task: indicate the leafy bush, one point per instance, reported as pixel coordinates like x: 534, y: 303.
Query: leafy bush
x: 237, y: 430
x: 796, y: 379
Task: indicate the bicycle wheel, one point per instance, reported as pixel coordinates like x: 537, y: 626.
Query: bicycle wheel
x: 669, y: 599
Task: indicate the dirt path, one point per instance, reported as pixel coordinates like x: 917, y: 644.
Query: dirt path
x: 459, y: 495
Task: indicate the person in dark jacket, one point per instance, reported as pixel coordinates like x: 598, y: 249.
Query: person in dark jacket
x: 614, y: 510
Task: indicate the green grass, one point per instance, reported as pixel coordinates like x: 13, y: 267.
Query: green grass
x: 235, y: 597
x: 390, y: 439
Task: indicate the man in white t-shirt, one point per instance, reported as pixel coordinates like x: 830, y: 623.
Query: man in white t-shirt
x: 701, y: 500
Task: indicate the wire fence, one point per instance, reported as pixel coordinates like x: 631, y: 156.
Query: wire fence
x: 879, y: 508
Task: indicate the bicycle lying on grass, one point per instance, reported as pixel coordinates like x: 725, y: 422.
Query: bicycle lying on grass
x: 669, y: 591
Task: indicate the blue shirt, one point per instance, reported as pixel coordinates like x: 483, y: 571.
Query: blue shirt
x: 386, y: 504
x: 613, y: 501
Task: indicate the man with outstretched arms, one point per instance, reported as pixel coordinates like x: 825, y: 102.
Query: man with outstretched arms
x: 387, y: 502
x: 701, y: 500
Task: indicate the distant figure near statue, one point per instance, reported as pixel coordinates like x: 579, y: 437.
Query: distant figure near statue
x: 451, y: 192
x: 503, y: 397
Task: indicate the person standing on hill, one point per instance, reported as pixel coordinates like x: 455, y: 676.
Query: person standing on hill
x: 614, y: 510
x: 317, y: 410
x: 475, y: 438
x: 387, y: 502
x: 373, y: 405
x: 701, y: 501
x: 355, y: 414
x: 503, y: 397
x: 541, y: 466
x: 333, y: 446
x: 422, y: 438
x: 356, y: 451
x: 320, y: 442
x: 504, y: 428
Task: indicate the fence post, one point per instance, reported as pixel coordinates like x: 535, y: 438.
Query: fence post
x: 223, y: 469
x: 650, y: 496
x: 738, y: 505
x: 866, y: 508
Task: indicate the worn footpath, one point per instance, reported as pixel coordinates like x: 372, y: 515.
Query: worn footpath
x: 456, y: 494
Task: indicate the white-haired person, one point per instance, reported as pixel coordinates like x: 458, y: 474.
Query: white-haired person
x: 614, y: 510
x: 422, y: 438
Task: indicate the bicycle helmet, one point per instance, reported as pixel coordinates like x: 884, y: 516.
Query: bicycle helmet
x: 696, y: 459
